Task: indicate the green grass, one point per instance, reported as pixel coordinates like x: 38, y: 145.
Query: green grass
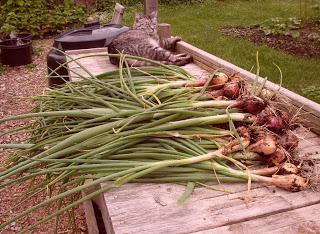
x: 200, y: 25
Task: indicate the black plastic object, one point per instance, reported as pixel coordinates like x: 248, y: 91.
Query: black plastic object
x: 22, y: 36
x: 92, y: 24
x: 94, y: 36
x: 16, y: 52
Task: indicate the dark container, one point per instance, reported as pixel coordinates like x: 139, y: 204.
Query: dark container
x: 93, y: 36
x: 92, y: 24
x: 25, y: 36
x: 15, y: 52
x: 22, y: 36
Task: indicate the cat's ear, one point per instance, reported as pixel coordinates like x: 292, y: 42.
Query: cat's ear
x: 153, y: 15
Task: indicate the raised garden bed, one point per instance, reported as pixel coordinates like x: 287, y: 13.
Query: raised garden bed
x: 144, y: 208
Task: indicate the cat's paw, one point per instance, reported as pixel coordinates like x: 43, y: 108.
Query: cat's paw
x: 181, y: 59
x: 170, y: 43
x: 176, y: 39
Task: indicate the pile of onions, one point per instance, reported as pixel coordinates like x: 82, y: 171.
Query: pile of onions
x: 154, y: 124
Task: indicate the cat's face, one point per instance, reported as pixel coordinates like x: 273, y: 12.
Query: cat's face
x: 148, y: 24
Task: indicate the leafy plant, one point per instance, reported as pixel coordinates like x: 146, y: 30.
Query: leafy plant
x: 30, y: 66
x: 3, y: 68
x: 109, y: 4
x: 103, y: 17
x: 281, y: 26
x: 39, y: 16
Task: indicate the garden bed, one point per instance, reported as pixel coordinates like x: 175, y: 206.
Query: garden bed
x: 305, y: 45
x: 147, y: 207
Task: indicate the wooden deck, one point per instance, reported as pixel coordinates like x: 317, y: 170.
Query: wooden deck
x: 151, y: 208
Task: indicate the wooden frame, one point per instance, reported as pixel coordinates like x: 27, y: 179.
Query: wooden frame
x: 279, y: 205
x: 284, y: 211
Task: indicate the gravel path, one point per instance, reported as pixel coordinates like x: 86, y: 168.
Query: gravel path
x: 17, y: 85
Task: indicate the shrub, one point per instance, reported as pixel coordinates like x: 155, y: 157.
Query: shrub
x: 39, y: 16
x: 109, y: 4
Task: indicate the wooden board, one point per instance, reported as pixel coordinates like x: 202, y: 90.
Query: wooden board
x: 297, y: 221
x: 151, y: 208
x: 86, y: 66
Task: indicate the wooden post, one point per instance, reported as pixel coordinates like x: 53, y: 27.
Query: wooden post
x: 150, y: 6
x: 117, y: 14
x: 164, y: 31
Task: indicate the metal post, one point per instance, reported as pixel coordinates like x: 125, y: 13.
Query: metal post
x: 117, y: 14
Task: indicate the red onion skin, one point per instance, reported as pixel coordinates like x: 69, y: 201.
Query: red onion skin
x: 252, y: 105
x: 276, y: 158
x: 231, y: 90
x: 261, y: 119
x: 275, y: 124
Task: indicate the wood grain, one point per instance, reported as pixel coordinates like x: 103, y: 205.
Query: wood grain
x: 153, y: 207
x: 302, y: 220
x: 164, y: 31
x: 96, y: 65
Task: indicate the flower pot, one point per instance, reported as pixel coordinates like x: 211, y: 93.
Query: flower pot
x: 16, y: 52
x: 22, y: 36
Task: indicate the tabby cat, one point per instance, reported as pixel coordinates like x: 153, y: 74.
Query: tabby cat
x: 143, y: 41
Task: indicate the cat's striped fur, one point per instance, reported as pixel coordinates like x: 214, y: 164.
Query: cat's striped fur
x: 143, y: 41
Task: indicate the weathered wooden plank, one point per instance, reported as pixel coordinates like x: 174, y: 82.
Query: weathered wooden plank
x: 149, y: 208
x: 211, y: 62
x: 89, y: 214
x: 309, y: 142
x: 303, y: 220
x: 98, y: 65
x: 91, y: 218
x: 86, y: 51
x: 164, y: 31
x: 195, y: 71
x: 93, y: 65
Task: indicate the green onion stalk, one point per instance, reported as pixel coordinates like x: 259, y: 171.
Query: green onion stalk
x: 138, y: 125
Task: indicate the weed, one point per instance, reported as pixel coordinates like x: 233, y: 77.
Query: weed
x: 30, y: 66
x: 283, y: 26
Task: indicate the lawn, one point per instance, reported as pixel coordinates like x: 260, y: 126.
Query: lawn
x: 200, y: 25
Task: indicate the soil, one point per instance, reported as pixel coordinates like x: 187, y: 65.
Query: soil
x: 17, y: 85
x: 302, y: 46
